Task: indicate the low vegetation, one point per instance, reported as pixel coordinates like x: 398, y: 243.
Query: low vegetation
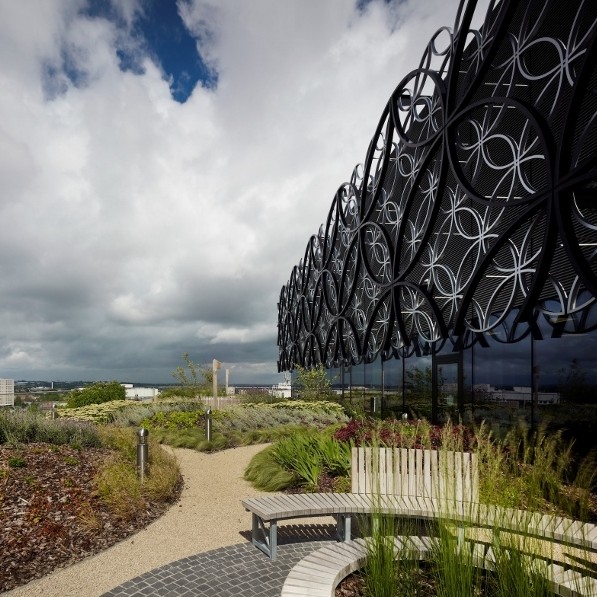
x: 519, y: 567
x: 118, y: 482
x: 70, y: 488
x: 181, y: 422
x: 96, y: 394
x: 311, y: 451
x: 22, y: 427
x: 301, y: 460
x: 531, y: 470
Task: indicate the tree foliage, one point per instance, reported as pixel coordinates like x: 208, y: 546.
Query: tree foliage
x: 194, y: 379
x: 419, y: 382
x: 573, y: 384
x: 103, y: 391
x: 313, y: 384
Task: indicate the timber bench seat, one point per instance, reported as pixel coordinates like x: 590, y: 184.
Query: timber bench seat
x: 403, y: 493
x: 343, y: 506
x: 319, y: 573
x: 397, y: 481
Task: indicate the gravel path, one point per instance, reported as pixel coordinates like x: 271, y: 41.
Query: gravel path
x: 209, y: 515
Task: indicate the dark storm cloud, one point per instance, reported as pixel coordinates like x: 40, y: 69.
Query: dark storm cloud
x: 135, y: 227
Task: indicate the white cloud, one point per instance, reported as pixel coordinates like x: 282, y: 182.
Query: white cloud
x: 132, y: 221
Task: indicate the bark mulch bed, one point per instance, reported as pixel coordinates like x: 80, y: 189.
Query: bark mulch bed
x: 51, y: 514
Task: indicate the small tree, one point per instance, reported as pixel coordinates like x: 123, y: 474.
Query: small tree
x: 103, y: 391
x: 313, y: 384
x: 573, y: 384
x: 194, y: 379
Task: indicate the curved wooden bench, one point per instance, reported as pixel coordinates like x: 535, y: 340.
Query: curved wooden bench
x: 268, y: 510
x: 428, y: 485
x: 319, y: 573
x: 379, y: 477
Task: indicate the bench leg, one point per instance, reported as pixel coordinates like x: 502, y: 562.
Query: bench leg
x: 343, y: 526
x: 263, y: 538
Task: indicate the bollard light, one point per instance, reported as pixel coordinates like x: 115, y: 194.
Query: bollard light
x: 208, y: 424
x: 142, y: 453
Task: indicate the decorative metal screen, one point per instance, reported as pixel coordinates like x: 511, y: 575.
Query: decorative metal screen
x: 475, y: 210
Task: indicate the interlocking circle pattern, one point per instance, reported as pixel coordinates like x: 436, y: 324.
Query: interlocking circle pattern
x: 475, y: 210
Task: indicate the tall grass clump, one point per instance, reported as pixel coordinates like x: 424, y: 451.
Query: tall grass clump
x: 534, y: 470
x: 266, y: 474
x: 380, y: 571
x: 453, y: 567
x: 300, y: 454
x: 23, y: 427
x: 516, y: 572
x: 309, y: 454
x: 381, y: 575
x: 304, y: 456
x: 118, y: 483
x: 519, y: 565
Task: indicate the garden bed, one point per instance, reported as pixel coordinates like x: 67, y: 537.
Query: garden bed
x: 51, y: 512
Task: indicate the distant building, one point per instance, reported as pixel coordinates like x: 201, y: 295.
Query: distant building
x: 520, y: 395
x: 282, y: 390
x: 141, y: 394
x: 7, y: 392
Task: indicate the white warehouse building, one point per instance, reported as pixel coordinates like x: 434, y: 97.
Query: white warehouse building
x: 7, y: 392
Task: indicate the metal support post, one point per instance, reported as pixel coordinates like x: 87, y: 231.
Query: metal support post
x: 208, y: 424
x: 142, y: 453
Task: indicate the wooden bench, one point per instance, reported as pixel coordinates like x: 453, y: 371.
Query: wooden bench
x: 414, y: 480
x: 418, y: 479
x: 319, y: 573
x: 415, y: 473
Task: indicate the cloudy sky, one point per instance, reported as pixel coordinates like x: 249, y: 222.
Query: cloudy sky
x: 163, y: 164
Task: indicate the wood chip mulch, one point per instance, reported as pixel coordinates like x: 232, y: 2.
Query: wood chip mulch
x: 51, y: 514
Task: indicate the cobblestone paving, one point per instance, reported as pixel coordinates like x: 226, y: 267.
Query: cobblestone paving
x: 234, y: 571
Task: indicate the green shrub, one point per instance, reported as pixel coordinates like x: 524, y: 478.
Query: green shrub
x: 103, y: 391
x: 247, y: 417
x: 305, y: 456
x: 261, y: 398
x: 266, y: 474
x: 27, y: 427
x: 529, y: 469
x: 136, y: 413
x: 313, y: 384
x: 178, y: 392
x: 174, y: 420
x: 17, y: 462
x: 96, y: 413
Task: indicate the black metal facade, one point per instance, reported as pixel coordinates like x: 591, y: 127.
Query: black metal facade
x: 475, y: 210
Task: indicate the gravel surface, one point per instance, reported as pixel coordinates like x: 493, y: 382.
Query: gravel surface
x: 207, y: 516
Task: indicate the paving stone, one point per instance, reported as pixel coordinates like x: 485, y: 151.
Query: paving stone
x: 234, y: 571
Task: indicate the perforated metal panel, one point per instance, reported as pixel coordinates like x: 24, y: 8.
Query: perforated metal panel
x: 476, y: 205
